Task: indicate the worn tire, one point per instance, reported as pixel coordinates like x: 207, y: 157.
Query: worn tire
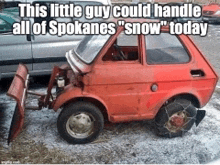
x: 80, y: 123
x: 175, y: 119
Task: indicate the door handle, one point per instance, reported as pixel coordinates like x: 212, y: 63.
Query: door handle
x: 29, y: 37
x: 197, y: 73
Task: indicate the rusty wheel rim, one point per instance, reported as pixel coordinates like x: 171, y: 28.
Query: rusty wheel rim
x: 177, y: 121
x: 80, y: 125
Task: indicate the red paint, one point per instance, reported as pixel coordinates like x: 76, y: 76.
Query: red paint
x: 211, y: 9
x: 177, y: 121
x: 125, y: 86
x: 17, y: 91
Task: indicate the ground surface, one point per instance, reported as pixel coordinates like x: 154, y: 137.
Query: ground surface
x: 133, y: 142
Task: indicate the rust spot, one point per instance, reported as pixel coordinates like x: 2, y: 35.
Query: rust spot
x: 131, y: 88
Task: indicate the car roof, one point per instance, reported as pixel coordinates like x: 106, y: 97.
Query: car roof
x: 104, y: 2
x: 175, y: 3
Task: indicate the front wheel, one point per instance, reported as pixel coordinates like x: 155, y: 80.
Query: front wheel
x: 176, y: 118
x: 80, y: 123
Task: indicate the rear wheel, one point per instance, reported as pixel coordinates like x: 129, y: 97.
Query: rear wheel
x: 80, y: 123
x: 176, y: 118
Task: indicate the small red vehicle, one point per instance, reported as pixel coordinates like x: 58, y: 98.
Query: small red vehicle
x: 123, y: 78
x: 211, y: 13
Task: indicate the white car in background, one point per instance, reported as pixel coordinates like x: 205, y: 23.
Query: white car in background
x: 104, y: 2
x: 39, y: 52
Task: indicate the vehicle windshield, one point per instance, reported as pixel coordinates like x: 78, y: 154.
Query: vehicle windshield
x: 10, y: 17
x: 90, y: 46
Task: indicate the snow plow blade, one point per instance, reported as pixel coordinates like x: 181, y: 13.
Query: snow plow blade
x: 17, y: 91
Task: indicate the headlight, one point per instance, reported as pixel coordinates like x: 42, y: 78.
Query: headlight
x: 217, y: 13
x: 60, y: 82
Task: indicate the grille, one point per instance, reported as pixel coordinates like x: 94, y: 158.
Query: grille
x: 208, y: 12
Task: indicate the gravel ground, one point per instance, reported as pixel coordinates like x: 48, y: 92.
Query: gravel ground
x: 133, y: 142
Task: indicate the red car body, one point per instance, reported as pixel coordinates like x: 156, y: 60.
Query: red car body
x: 211, y: 12
x: 127, y: 90
x: 124, y: 88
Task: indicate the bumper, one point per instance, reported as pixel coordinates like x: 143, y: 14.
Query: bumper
x: 211, y: 19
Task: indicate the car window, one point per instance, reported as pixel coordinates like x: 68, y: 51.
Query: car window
x: 90, y: 46
x: 4, y: 26
x: 125, y: 48
x: 127, y: 40
x: 7, y: 20
x: 165, y: 49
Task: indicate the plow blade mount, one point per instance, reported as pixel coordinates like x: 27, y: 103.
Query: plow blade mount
x: 17, y: 91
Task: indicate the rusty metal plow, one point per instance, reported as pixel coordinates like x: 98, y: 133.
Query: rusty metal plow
x: 19, y: 90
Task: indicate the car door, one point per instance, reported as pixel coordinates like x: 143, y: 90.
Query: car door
x: 167, y: 60
x: 14, y: 49
x: 49, y: 50
x: 119, y: 81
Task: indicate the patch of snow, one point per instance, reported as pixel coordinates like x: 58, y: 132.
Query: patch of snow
x: 133, y: 142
